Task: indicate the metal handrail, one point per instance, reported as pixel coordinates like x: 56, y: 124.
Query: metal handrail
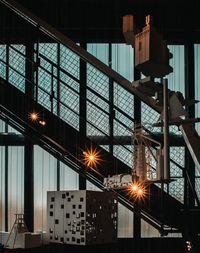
x: 61, y: 38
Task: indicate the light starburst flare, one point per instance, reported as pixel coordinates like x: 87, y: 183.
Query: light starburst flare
x: 91, y: 157
x: 33, y: 116
x: 137, y: 190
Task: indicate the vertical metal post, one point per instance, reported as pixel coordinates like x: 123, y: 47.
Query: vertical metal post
x: 29, y: 185
x: 82, y: 113
x: 137, y: 118
x: 189, y: 197
x: 166, y: 130
x: 111, y: 103
x: 28, y: 148
x: 58, y: 108
x: 37, y: 69
x: 52, y: 89
x: 6, y: 182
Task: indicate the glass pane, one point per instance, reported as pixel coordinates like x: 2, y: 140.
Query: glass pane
x: 17, y: 62
x: 45, y: 179
x: 100, y: 51
x: 15, y: 183
x: 122, y: 60
x: 2, y: 189
x: 3, y: 61
x: 147, y: 230
x: 176, y: 79
x: 91, y: 187
x: 69, y: 179
x: 125, y: 222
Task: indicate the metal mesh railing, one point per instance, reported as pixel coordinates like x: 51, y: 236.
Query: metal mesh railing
x: 50, y: 75
x: 16, y: 62
x: 57, y: 84
x: 3, y: 57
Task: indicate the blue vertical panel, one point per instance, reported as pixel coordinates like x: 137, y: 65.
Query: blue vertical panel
x: 100, y: 51
x: 2, y: 189
x: 45, y: 179
x: 123, y: 60
x: 17, y: 66
x: 15, y: 183
x: 176, y: 79
x: 69, y: 179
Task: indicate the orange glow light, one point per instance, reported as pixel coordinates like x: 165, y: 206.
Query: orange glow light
x: 137, y: 190
x: 134, y: 187
x: 33, y: 116
x: 91, y: 158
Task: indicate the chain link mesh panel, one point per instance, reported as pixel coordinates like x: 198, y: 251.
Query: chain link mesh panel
x: 176, y: 189
x: 17, y: 67
x: 3, y: 61
x: 97, y: 81
x: 124, y: 100
x: 98, y: 119
x: 69, y: 61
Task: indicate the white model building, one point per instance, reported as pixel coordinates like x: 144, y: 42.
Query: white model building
x: 81, y: 217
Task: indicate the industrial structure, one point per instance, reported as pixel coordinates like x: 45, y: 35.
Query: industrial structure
x: 99, y: 122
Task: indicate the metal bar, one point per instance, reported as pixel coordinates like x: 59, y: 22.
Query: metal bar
x: 166, y: 130
x: 29, y: 185
x: 111, y: 103
x: 191, y: 149
x: 6, y: 182
x: 82, y: 115
x: 61, y: 38
x: 58, y: 67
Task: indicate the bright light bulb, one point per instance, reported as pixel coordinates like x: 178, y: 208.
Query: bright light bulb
x: 140, y: 192
x: 33, y: 116
x: 134, y: 187
x: 137, y: 190
x: 91, y: 157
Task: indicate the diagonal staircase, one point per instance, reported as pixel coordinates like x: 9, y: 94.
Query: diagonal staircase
x: 63, y: 141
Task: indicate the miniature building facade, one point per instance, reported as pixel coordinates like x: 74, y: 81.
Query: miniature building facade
x: 81, y: 217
